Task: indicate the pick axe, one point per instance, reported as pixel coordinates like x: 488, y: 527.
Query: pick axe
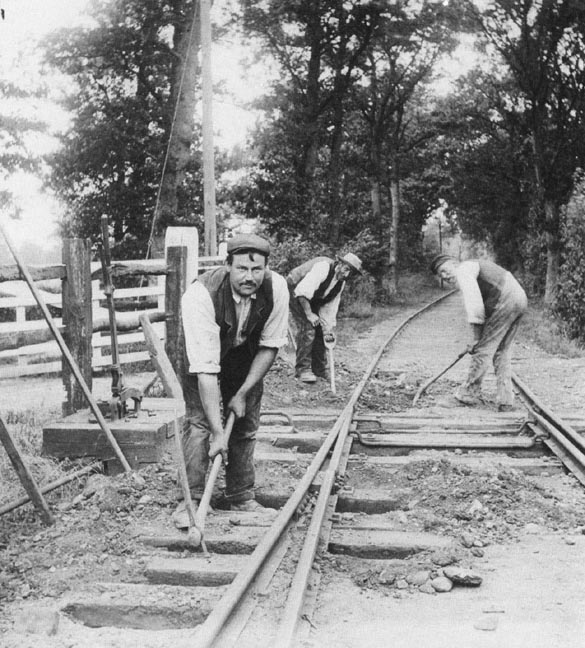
x: 198, y: 523
x: 429, y: 382
x: 330, y: 346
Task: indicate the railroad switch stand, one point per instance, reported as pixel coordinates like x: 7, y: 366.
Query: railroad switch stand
x: 117, y: 406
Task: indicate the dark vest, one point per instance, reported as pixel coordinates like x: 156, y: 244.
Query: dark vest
x: 319, y: 298
x: 491, y: 280
x: 218, y: 284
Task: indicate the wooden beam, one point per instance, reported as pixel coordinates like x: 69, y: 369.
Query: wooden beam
x: 160, y: 359
x: 384, y: 544
x: 26, y: 478
x: 11, y: 272
x: 217, y: 569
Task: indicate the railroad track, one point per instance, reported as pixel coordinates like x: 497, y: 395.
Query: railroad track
x: 332, y: 479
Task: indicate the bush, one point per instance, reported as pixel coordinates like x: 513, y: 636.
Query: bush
x: 570, y: 298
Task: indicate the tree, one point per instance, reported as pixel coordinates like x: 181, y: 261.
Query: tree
x: 135, y: 78
x: 318, y: 46
x: 403, y: 56
x: 542, y: 42
x: 17, y: 123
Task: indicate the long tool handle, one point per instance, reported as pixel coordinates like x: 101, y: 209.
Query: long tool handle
x: 182, y: 470
x: 206, y: 497
x: 422, y: 389
x: 66, y: 353
x: 331, y: 369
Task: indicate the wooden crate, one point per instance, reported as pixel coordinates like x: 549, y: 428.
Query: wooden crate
x: 143, y: 438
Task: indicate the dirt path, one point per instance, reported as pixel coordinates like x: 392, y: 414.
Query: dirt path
x: 532, y: 594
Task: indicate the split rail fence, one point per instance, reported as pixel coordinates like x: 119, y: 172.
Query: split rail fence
x: 73, y: 292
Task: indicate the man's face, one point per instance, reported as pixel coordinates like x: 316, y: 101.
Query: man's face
x: 247, y: 272
x: 447, y: 271
x: 343, y: 270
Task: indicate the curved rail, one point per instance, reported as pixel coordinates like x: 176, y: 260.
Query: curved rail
x: 208, y: 632
x: 564, y: 441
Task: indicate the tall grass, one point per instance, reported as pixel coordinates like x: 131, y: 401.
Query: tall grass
x: 546, y: 330
x: 25, y: 428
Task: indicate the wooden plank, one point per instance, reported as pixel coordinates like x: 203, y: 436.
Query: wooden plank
x: 26, y: 479
x: 160, y: 360
x: 11, y: 272
x: 423, y: 440
x: 383, y: 544
x: 132, y: 268
x: 311, y: 441
x: 528, y: 466
x: 199, y: 571
x: 142, y: 606
x: 356, y: 501
x: 219, y: 539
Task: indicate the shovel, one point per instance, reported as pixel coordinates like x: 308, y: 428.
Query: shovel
x: 429, y: 382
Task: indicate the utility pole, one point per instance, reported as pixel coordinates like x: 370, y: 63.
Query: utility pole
x: 207, y: 127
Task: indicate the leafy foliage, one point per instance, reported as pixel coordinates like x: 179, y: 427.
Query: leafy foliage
x: 111, y: 161
x: 570, y: 299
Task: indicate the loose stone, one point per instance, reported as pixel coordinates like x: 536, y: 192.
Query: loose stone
x: 464, y: 577
x: 441, y: 584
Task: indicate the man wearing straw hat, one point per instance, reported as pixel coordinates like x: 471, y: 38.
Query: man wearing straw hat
x: 235, y: 319
x: 315, y: 292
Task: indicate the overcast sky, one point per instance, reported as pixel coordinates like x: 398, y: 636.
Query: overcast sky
x: 27, y: 21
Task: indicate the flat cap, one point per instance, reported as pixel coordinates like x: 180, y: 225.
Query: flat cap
x: 438, y: 261
x: 248, y: 242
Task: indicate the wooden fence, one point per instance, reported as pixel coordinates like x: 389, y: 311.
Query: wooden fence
x: 73, y: 293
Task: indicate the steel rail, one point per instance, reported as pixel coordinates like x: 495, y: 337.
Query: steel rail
x: 564, y: 441
x: 207, y: 633
x: 294, y: 604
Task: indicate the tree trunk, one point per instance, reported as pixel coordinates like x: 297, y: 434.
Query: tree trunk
x: 181, y: 114
x: 391, y: 275
x: 552, y: 251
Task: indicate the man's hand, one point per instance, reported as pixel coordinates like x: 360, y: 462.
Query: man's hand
x: 238, y: 404
x: 313, y: 319
x: 218, y: 445
x: 329, y: 338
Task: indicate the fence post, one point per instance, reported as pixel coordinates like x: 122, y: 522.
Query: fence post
x: 77, y: 319
x: 176, y: 284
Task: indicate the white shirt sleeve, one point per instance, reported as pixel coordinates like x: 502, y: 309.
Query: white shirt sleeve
x: 274, y: 333
x: 308, y: 285
x: 466, y: 274
x: 328, y: 312
x: 201, y: 331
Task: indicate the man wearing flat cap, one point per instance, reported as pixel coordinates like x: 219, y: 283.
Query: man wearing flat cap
x: 494, y: 303
x: 235, y: 319
x: 315, y: 292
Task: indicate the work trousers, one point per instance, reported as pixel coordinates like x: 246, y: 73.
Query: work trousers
x: 239, y: 472
x: 495, y: 344
x: 311, y: 352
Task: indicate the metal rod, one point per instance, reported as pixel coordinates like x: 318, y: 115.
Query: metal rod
x: 66, y: 353
x: 26, y: 478
x: 429, y: 382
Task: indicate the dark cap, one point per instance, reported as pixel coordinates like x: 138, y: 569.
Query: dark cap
x: 438, y: 261
x: 248, y: 243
